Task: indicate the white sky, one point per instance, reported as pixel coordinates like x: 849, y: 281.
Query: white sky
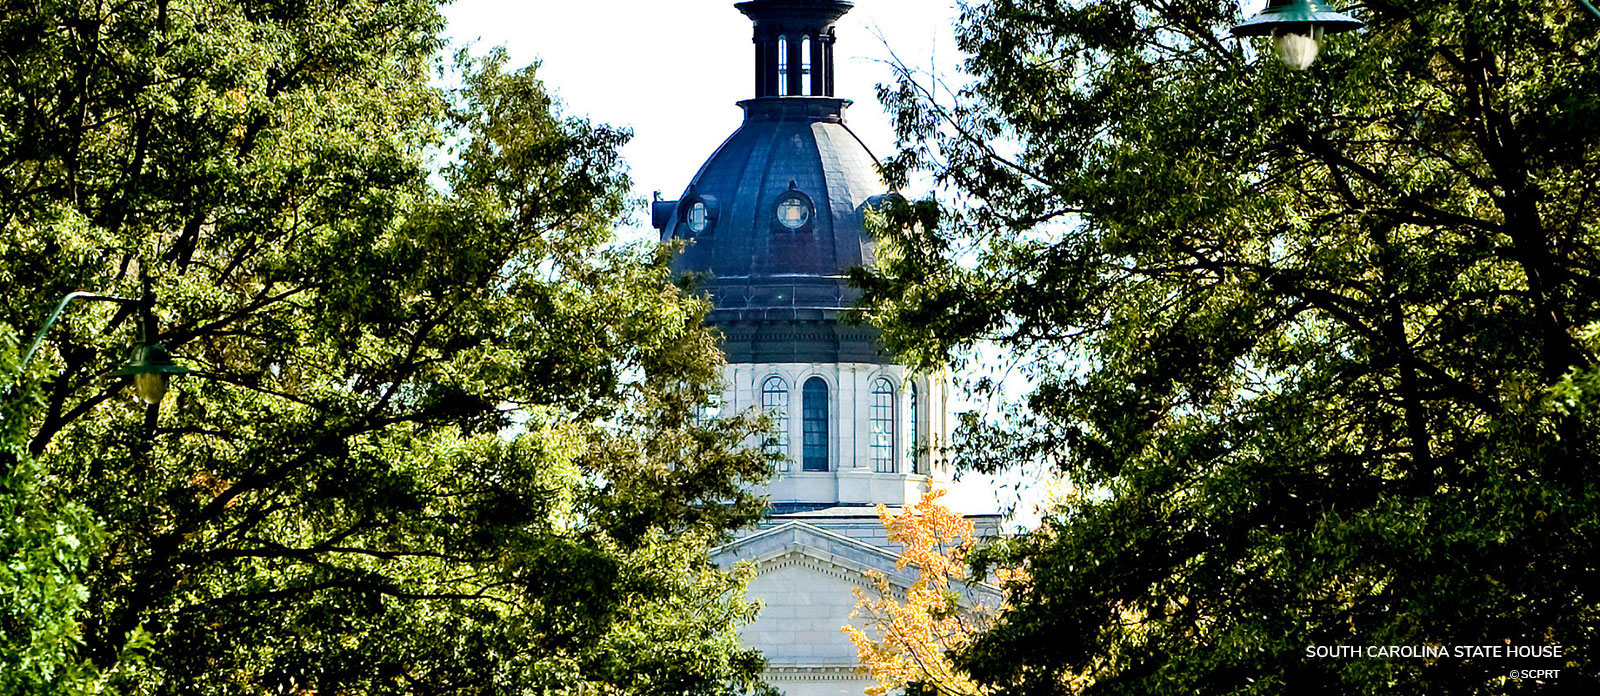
x: 672, y: 70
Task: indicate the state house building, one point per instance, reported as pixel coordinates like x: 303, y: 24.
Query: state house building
x: 772, y: 220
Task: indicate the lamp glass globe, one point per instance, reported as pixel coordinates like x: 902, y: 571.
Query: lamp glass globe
x: 150, y: 386
x: 1297, y: 44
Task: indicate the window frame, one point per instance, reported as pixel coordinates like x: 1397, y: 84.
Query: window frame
x: 913, y: 420
x: 705, y: 217
x: 881, y: 427
x: 775, y: 403
x: 793, y: 196
x: 814, y: 426
x: 783, y: 65
x: 805, y: 66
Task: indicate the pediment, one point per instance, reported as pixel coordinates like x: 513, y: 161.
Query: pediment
x: 794, y: 542
x: 806, y: 546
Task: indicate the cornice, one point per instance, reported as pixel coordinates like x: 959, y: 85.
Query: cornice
x: 804, y: 674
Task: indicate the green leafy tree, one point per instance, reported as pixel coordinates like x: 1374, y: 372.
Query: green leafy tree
x: 1319, y: 346
x: 45, y: 545
x: 438, y: 437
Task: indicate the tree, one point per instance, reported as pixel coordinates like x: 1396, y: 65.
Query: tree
x: 45, y: 545
x: 906, y: 644
x: 1319, y: 346
x: 438, y: 437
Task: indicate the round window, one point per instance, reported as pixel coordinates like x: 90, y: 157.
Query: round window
x: 697, y: 217
x: 793, y: 213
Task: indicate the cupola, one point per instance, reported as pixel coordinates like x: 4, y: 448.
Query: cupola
x: 794, y: 45
x: 774, y: 218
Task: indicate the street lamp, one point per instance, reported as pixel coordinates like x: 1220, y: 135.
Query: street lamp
x: 1296, y: 27
x: 149, y: 363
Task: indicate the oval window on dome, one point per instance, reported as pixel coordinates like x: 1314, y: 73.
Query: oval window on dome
x: 794, y: 212
x: 697, y: 217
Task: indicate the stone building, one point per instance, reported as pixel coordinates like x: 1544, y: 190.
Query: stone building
x: 772, y: 221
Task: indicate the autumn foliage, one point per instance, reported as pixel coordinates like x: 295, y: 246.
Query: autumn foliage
x: 906, y: 636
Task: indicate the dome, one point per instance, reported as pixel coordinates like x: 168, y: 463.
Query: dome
x: 775, y: 217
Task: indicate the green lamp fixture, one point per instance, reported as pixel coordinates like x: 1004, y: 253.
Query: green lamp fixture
x: 150, y: 365
x: 1296, y: 28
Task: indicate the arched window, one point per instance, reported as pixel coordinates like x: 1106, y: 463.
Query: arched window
x: 916, y: 445
x: 805, y: 66
x: 882, y: 435
x: 783, y: 66
x: 775, y: 405
x: 814, y: 422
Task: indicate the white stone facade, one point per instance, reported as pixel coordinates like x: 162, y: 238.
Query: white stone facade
x: 857, y: 472
x: 809, y: 562
x: 808, y: 566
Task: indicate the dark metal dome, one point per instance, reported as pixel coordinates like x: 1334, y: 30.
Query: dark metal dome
x: 775, y: 217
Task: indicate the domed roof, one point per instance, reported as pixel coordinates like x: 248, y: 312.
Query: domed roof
x: 782, y: 204
x: 774, y: 219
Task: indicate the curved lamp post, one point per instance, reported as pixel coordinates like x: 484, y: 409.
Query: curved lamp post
x: 1296, y: 28
x: 149, y: 363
